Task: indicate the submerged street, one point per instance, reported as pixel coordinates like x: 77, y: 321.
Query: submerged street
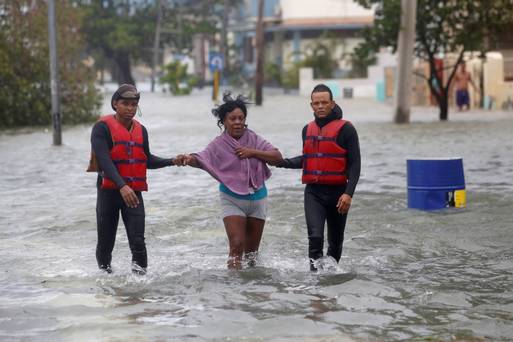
x: 404, y: 273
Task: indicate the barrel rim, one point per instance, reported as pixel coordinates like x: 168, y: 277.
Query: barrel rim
x: 436, y: 159
x: 437, y: 188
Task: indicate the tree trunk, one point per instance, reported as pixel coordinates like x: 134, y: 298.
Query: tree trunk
x: 439, y: 90
x: 443, y: 105
x: 440, y: 93
x: 203, y: 62
x: 224, y: 35
x: 405, y: 49
x: 156, y: 45
x: 122, y: 61
x: 481, y: 80
x: 259, y: 77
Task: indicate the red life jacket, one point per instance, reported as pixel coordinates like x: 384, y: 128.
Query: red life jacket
x: 324, y: 161
x: 127, y: 153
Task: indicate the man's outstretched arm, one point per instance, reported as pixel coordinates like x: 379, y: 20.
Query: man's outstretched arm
x: 291, y: 163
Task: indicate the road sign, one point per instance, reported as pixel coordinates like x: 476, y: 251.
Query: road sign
x: 215, y: 61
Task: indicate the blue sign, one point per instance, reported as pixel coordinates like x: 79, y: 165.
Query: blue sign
x: 215, y: 61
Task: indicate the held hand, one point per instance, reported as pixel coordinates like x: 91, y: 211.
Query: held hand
x: 129, y: 196
x: 184, y: 160
x: 179, y: 160
x: 244, y: 152
x: 189, y: 160
x: 344, y: 203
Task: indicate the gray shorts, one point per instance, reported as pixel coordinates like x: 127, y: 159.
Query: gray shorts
x: 231, y: 206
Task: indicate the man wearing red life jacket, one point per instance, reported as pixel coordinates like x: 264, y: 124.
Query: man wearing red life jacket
x: 331, y: 169
x: 121, y: 155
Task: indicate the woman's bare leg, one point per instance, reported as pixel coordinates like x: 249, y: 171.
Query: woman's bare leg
x: 254, y: 230
x: 236, y: 230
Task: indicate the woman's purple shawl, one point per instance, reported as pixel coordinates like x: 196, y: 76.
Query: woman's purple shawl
x: 242, y: 176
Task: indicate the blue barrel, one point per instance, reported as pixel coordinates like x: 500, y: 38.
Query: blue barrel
x: 435, y: 183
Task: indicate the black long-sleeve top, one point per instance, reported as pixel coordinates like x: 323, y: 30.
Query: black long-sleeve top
x: 101, y: 144
x: 347, y: 139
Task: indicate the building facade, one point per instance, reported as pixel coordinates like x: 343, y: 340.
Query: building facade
x: 292, y: 26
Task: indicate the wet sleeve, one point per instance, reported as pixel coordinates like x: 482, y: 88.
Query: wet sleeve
x: 153, y: 161
x: 348, y: 139
x: 295, y: 162
x: 101, y: 144
x: 291, y: 163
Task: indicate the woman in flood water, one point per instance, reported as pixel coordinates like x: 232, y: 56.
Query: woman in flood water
x: 237, y: 159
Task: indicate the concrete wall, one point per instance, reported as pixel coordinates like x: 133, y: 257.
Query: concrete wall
x: 361, y: 87
x: 498, y: 93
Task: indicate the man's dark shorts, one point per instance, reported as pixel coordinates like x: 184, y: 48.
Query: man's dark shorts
x: 462, y: 98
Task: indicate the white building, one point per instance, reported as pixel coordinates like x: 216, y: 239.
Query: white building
x: 292, y: 25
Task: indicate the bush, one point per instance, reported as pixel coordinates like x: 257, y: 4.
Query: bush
x: 362, y: 57
x: 317, y: 55
x: 290, y: 78
x: 177, y: 79
x: 273, y: 74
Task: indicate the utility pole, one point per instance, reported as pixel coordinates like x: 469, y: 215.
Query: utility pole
x: 179, y: 27
x: 156, y: 45
x: 54, y: 74
x: 259, y: 76
x: 405, y: 44
x: 224, y: 34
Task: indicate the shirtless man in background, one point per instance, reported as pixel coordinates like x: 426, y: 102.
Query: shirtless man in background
x: 462, y: 80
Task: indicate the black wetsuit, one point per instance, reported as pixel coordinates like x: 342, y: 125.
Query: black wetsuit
x: 110, y: 203
x: 321, y: 199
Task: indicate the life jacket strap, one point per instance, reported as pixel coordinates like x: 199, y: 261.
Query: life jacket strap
x: 134, y: 179
x: 128, y: 143
x: 319, y: 138
x: 129, y: 161
x: 324, y: 155
x: 324, y: 173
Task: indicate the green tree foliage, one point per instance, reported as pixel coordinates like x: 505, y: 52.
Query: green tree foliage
x: 273, y: 75
x: 318, y: 55
x: 361, y: 58
x: 176, y: 78
x: 24, y: 66
x: 290, y: 77
x: 442, y: 27
x: 319, y: 58
x: 118, y: 33
x: 187, y: 18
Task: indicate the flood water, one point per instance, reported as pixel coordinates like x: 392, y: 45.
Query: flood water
x: 405, y: 274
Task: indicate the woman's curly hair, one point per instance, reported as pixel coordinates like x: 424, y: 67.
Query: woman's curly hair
x: 229, y: 105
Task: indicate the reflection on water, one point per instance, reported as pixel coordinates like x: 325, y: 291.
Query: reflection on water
x: 404, y: 274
